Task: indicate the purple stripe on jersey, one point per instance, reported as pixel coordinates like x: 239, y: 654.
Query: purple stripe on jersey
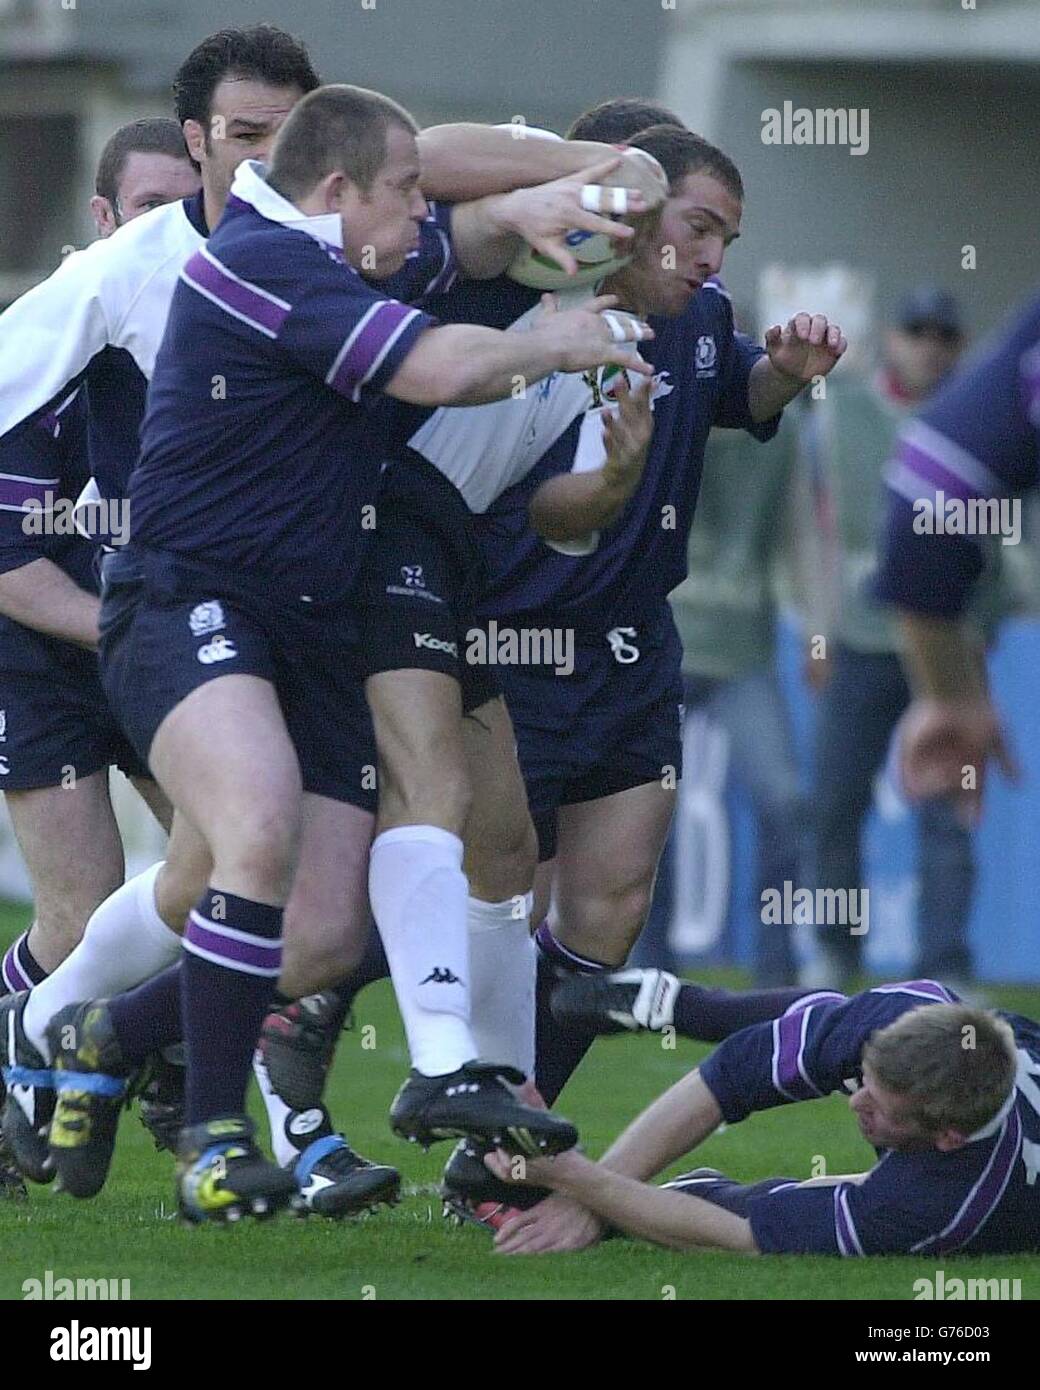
x: 243, y: 300
x: 984, y: 1196
x: 261, y: 955
x: 927, y: 467
x: 848, y: 1240
x: 12, y: 973
x: 930, y: 989
x: 788, y: 1047
x: 16, y: 491
x: 363, y: 347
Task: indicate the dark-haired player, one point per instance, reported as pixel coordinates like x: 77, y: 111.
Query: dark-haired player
x: 601, y: 748
x: 947, y: 1095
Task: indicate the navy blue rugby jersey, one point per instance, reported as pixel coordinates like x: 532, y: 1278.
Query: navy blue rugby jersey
x: 980, y: 1197
x: 975, y: 445
x: 701, y: 370
x: 265, y: 427
x: 43, y: 469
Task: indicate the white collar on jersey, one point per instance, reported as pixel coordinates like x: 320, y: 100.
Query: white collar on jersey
x: 251, y: 186
x: 988, y: 1130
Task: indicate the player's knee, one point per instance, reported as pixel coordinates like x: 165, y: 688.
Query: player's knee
x: 428, y: 791
x: 604, y: 926
x: 503, y: 865
x: 261, y: 848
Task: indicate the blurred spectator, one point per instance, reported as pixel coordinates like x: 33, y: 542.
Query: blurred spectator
x: 752, y: 521
x: 858, y: 675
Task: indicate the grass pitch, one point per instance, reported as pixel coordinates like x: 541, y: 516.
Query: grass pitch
x: 128, y: 1232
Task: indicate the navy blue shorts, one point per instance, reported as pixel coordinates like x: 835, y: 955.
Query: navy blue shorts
x: 420, y: 580
x: 157, y: 647
x: 54, y: 718
x: 612, y: 724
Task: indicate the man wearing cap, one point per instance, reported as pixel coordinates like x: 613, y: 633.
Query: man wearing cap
x: 857, y: 670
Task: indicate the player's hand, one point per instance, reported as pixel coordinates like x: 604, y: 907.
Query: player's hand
x: 808, y: 347
x: 626, y: 435
x: 544, y: 214
x: 594, y: 334
x: 944, y: 748
x: 556, y: 1224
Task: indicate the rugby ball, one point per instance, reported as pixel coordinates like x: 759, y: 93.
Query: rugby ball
x: 595, y: 253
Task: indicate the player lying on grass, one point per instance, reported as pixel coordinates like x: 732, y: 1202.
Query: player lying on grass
x: 949, y: 1097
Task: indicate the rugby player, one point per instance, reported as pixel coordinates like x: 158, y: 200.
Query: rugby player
x: 947, y: 1095
x: 600, y: 742
x: 105, y: 313
x: 59, y: 735
x: 976, y: 444
x: 273, y: 307
x: 601, y: 749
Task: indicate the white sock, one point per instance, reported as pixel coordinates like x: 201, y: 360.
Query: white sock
x: 284, y: 1150
x: 503, y: 961
x: 418, y: 894
x: 126, y: 941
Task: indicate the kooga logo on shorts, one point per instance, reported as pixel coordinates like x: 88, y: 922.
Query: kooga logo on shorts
x: 434, y: 644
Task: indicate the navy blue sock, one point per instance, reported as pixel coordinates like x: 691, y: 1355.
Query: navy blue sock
x: 558, y: 1049
x: 148, y: 1018
x: 20, y: 968
x: 372, y: 967
x: 709, y: 1015
x: 232, y: 960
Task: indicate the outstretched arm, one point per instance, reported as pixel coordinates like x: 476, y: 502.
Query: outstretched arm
x: 463, y: 160
x: 673, y: 1219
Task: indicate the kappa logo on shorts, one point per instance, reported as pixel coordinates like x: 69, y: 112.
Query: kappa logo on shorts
x: 220, y: 649
x: 434, y: 644
x: 206, y: 617
x: 4, y: 769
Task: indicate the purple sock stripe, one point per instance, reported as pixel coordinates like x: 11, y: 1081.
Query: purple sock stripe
x: 13, y: 977
x: 29, y: 966
x: 556, y: 951
x: 234, y: 949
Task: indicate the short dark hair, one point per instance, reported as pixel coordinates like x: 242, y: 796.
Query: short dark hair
x: 156, y: 135
x: 261, y: 53
x: 336, y: 127
x: 615, y: 122
x: 680, y: 152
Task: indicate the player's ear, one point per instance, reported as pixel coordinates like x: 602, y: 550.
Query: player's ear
x: 195, y: 139
x: 947, y: 1141
x: 103, y: 214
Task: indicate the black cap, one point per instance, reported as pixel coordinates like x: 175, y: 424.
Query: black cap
x: 928, y: 307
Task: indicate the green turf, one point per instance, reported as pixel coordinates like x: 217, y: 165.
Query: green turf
x: 409, y: 1253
